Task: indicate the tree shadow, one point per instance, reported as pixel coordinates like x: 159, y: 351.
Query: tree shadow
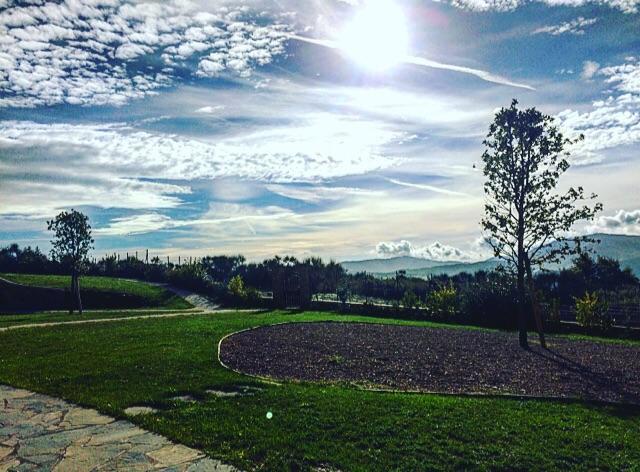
x: 627, y: 401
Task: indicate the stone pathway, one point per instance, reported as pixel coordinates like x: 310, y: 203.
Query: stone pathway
x: 41, y: 433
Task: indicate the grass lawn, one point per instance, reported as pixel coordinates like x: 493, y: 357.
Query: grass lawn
x: 154, y: 296
x: 112, y: 366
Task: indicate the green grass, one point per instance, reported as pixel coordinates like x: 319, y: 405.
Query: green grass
x: 154, y: 296
x: 112, y: 366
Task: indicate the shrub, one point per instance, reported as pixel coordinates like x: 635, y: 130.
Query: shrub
x: 343, y: 293
x: 552, y: 313
x: 443, y: 303
x: 189, y: 276
x: 410, y: 300
x: 591, y: 312
x: 236, y: 287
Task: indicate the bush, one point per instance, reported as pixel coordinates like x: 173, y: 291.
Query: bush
x: 236, y: 287
x: 410, y: 300
x: 443, y: 303
x: 591, y: 312
x: 343, y: 293
x: 190, y: 277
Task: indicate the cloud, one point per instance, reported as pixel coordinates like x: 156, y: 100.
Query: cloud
x: 623, y: 222
x: 429, y: 188
x: 45, y: 167
x: 435, y: 251
x: 136, y: 224
x: 108, y: 52
x: 210, y: 109
x: 589, y: 69
x: 318, y: 194
x: 575, y: 27
x: 627, y: 6
x: 421, y: 61
x: 297, y: 153
x: 611, y: 122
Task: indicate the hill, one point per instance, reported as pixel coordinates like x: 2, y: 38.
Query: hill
x: 625, y: 249
x: 391, y: 265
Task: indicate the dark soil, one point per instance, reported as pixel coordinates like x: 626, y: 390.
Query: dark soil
x: 436, y: 360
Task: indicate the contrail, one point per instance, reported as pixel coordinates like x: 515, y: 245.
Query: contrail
x: 431, y: 188
x: 421, y: 61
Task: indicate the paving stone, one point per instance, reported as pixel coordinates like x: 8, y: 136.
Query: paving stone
x: 84, y: 417
x: 174, y: 454
x: 223, y: 394
x: 38, y: 432
x: 4, y: 452
x: 11, y: 464
x: 184, y: 398
x: 139, y: 410
x: 210, y: 465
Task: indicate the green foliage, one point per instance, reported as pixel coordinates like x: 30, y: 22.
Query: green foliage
x: 443, y: 303
x: 189, y: 276
x: 343, y: 291
x: 72, y: 239
x: 524, y: 158
x: 221, y: 268
x: 236, y: 287
x: 591, y: 312
x: 410, y: 300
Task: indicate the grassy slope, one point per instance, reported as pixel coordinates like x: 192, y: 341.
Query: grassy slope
x: 155, y: 296
x: 115, y: 365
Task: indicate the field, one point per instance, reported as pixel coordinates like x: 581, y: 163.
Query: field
x: 150, y: 296
x: 115, y: 365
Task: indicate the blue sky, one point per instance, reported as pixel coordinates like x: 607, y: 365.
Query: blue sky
x: 343, y: 129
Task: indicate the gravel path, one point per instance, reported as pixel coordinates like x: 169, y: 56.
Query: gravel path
x: 436, y: 360
x: 41, y: 433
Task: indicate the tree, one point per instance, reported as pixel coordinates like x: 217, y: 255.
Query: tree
x: 71, y: 244
x: 222, y: 268
x: 526, y: 219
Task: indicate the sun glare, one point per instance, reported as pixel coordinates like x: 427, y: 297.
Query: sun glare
x: 377, y: 37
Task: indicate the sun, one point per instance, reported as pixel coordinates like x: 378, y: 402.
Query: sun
x: 377, y: 37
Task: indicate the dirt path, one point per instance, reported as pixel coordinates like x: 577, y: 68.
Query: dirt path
x: 38, y: 432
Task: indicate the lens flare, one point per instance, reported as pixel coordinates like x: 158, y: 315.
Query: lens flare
x: 377, y: 37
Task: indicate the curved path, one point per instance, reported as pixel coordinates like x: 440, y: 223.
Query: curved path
x: 42, y: 433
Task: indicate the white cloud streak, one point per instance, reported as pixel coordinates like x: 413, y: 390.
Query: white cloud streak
x: 575, y: 27
x: 423, y: 62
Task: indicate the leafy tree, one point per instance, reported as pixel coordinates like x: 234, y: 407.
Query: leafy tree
x: 526, y: 219
x: 222, y: 268
x: 71, y: 244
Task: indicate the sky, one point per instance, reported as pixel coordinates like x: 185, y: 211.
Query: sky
x: 341, y: 129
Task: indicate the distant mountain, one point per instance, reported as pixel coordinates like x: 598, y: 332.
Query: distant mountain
x: 625, y: 249
x: 376, y: 266
x: 452, y: 269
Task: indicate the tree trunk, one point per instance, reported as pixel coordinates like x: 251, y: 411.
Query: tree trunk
x: 522, y: 311
x: 78, y: 299
x: 534, y: 304
x: 72, y: 292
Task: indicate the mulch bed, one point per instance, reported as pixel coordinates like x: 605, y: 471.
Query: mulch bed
x: 436, y: 360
